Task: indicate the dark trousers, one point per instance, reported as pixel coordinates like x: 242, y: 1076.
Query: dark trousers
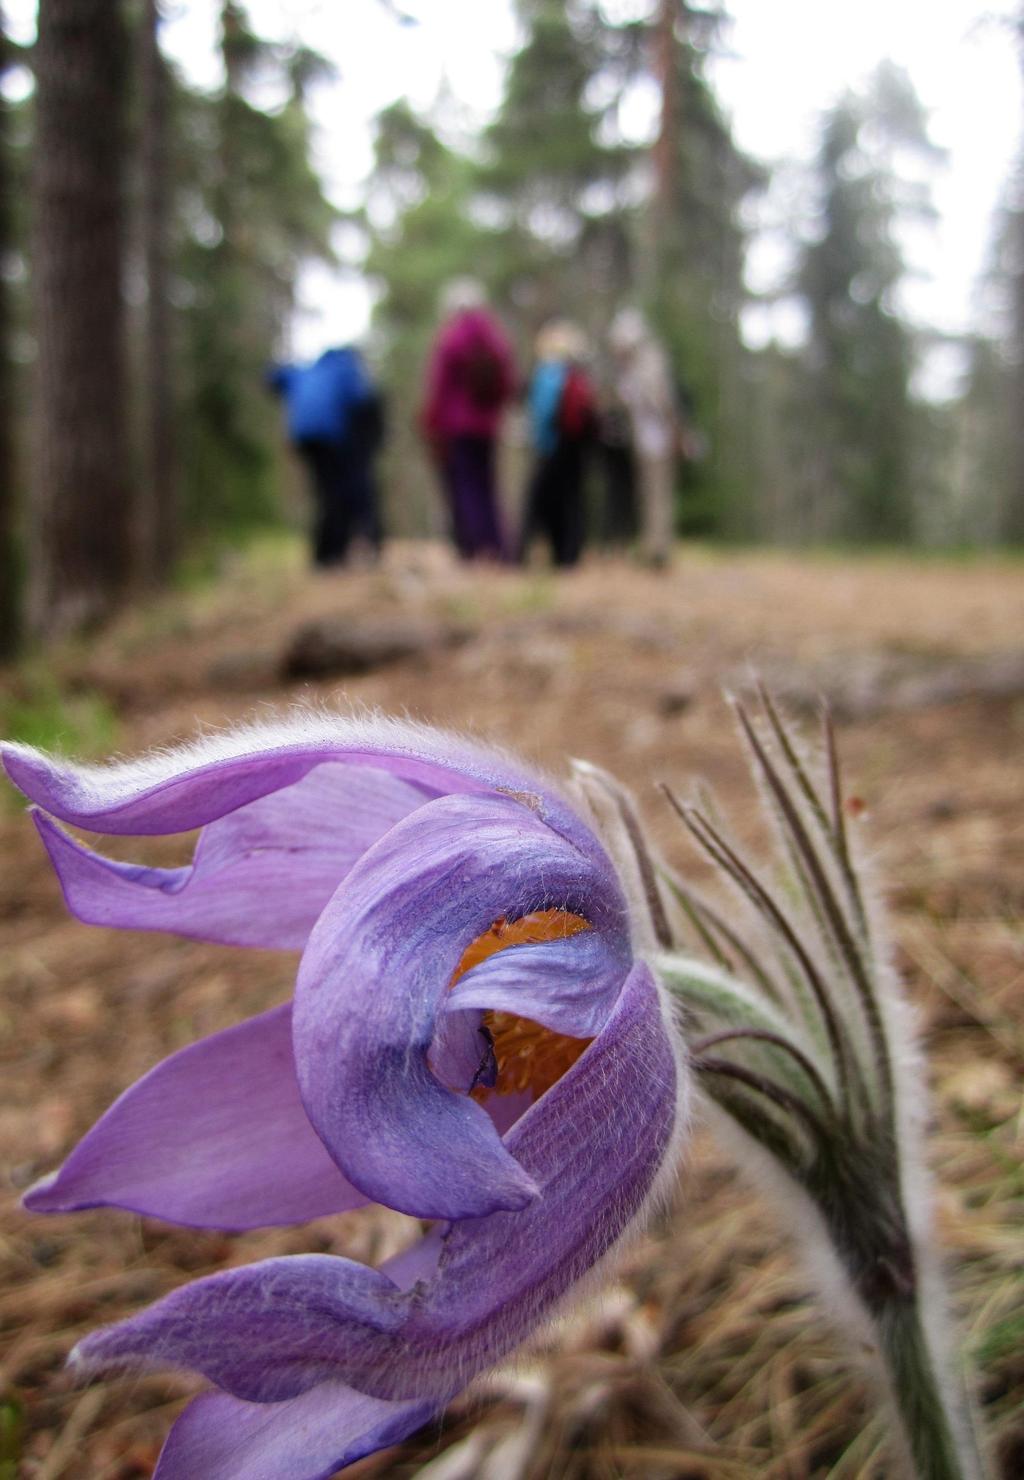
x: 554, y: 503
x: 470, y: 484
x: 344, y: 498
x: 619, y: 525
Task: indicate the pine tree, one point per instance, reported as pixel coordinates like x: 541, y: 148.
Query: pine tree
x: 857, y: 410
x: 1013, y: 242
x: 694, y: 253
x: 990, y: 487
x: 1012, y: 523
x: 983, y: 460
x: 82, y: 496
x: 228, y: 460
x: 550, y: 179
x: 253, y: 211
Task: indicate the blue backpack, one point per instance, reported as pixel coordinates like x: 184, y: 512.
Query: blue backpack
x: 320, y: 397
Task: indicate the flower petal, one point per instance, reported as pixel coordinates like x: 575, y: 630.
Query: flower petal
x: 267, y: 1331
x: 260, y: 876
x: 176, y: 790
x: 595, y: 1144
x: 214, y: 1137
x: 569, y: 985
x: 461, y: 1054
x: 306, y: 1438
x: 373, y: 981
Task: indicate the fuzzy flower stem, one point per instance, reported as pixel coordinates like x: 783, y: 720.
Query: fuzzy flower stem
x: 862, y: 1150
x: 831, y: 821
x: 760, y: 1035
x: 839, y: 839
x: 702, y: 923
x: 717, y: 848
x: 709, y: 924
x: 837, y: 925
x: 648, y: 877
x: 767, y: 1087
x: 939, y: 1452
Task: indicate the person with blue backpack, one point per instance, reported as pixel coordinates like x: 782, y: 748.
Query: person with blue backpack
x: 335, y: 422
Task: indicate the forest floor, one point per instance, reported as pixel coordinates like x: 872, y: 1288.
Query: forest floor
x: 708, y: 1356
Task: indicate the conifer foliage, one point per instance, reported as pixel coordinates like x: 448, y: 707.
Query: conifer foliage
x: 860, y: 355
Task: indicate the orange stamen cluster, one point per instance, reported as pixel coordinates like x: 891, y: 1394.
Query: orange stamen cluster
x: 530, y: 1057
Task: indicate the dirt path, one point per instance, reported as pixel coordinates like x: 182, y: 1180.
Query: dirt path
x: 706, y: 1359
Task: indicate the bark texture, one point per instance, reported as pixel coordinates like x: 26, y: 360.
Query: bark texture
x: 81, y: 542
x: 159, y: 512
x: 10, y: 624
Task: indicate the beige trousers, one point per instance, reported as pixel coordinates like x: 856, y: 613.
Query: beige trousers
x: 657, y: 479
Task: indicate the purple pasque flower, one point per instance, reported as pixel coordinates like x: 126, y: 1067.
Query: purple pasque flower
x: 473, y: 1040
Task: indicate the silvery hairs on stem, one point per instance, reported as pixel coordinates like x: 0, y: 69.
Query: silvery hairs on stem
x: 805, y: 1052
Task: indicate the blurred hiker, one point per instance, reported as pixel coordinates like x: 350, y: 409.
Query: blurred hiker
x: 562, y: 417
x: 335, y: 418
x: 644, y: 386
x: 618, y: 525
x: 471, y: 378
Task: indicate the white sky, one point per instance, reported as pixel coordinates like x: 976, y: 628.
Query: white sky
x: 788, y: 60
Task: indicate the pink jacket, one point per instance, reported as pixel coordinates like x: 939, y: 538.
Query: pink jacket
x: 455, y: 404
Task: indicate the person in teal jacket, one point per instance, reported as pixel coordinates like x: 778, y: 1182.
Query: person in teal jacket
x: 562, y: 417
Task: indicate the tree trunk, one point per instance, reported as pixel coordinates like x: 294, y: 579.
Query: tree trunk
x: 666, y: 144
x: 159, y: 510
x: 10, y: 585
x: 1014, y: 522
x: 659, y: 224
x: 81, y: 512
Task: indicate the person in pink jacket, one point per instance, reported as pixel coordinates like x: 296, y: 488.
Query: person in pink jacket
x: 471, y: 378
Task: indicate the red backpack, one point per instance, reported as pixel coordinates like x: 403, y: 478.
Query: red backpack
x: 576, y: 407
